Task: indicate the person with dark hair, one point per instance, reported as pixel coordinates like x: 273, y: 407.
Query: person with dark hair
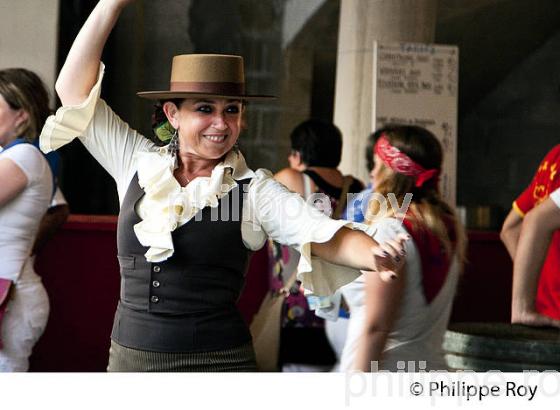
x: 394, y: 323
x: 316, y: 149
x: 191, y: 211
x: 25, y: 194
x: 316, y: 143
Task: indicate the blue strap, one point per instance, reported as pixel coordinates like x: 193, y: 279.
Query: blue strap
x: 14, y: 143
x: 53, y: 158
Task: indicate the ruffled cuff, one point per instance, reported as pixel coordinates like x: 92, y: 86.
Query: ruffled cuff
x: 70, y: 121
x: 317, y: 276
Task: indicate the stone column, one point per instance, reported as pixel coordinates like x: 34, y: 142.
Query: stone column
x: 28, y: 37
x: 361, y: 23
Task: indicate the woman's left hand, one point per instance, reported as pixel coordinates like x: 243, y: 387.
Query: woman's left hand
x: 390, y: 257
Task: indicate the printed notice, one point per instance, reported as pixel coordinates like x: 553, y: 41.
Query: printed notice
x: 417, y: 84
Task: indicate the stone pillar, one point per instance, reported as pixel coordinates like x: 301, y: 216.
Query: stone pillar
x: 361, y: 23
x: 28, y: 37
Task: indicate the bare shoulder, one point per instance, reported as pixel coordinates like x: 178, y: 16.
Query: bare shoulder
x: 290, y: 178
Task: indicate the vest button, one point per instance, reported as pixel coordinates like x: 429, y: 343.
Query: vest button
x: 157, y: 269
x: 154, y: 299
x: 155, y: 284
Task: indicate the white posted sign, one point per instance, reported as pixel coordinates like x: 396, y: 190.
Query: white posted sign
x: 417, y: 84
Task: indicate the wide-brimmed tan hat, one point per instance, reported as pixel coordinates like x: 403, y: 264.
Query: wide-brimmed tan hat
x: 205, y: 75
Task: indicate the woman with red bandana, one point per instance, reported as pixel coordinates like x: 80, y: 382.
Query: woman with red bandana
x: 405, y: 320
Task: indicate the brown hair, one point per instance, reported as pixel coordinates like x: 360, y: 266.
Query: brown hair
x: 427, y: 206
x: 23, y: 89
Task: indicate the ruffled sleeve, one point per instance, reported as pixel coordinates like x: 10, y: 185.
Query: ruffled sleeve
x: 109, y: 139
x: 70, y: 121
x: 285, y: 217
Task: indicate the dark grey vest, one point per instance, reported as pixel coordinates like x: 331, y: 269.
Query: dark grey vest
x: 188, y: 302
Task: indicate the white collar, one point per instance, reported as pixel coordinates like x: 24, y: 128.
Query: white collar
x: 166, y: 205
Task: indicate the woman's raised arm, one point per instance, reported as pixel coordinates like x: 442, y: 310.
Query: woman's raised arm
x: 79, y: 73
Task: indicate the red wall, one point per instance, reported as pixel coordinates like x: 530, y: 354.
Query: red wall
x: 484, y: 292
x: 80, y: 271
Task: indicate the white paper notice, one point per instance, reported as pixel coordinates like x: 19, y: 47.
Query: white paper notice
x: 417, y: 84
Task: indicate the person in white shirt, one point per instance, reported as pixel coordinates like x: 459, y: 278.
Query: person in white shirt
x: 402, y: 321
x: 25, y: 193
x: 182, y: 261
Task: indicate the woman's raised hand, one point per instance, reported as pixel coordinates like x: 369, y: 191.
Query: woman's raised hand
x: 79, y: 73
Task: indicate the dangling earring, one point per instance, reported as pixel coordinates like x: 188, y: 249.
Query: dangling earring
x: 235, y: 147
x: 173, y: 146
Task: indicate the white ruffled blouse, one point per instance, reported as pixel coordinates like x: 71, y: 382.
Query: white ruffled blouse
x: 269, y: 210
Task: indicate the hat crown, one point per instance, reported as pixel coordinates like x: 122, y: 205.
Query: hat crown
x: 205, y: 75
x: 207, y: 68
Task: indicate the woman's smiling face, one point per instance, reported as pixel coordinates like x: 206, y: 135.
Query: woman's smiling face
x: 208, y: 128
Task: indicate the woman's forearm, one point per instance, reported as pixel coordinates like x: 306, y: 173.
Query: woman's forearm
x: 54, y: 218
x: 510, y: 232
x: 536, y: 233
x: 369, y: 351
x: 358, y: 250
x: 382, y: 304
x: 79, y: 73
x: 348, y: 247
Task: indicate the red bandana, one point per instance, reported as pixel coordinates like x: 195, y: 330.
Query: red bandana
x: 400, y: 162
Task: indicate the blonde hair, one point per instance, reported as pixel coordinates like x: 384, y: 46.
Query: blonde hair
x: 23, y: 89
x: 427, y: 208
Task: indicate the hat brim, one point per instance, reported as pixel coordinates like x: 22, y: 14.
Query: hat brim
x: 165, y: 95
